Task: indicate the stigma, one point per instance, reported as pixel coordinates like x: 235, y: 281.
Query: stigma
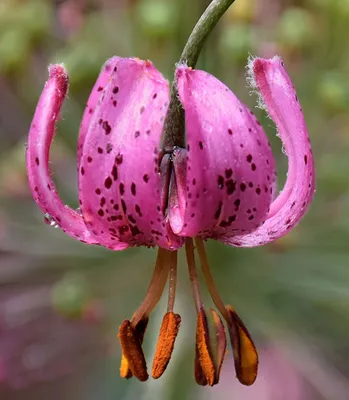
x: 211, y: 333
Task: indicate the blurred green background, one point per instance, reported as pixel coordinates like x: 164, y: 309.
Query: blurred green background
x: 61, y: 301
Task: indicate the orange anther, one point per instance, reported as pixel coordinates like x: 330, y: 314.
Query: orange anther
x: 168, y: 333
x: 132, y: 351
x: 203, y: 350
x: 244, y: 350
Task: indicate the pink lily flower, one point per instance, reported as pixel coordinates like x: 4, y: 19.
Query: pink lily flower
x: 221, y: 186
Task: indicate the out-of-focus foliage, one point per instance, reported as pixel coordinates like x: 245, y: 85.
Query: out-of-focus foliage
x: 61, y: 301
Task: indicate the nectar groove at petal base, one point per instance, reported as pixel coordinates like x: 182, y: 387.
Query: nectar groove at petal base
x: 220, y: 186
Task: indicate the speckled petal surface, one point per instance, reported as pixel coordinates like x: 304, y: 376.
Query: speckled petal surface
x: 280, y: 99
x: 229, y: 166
x: 119, y: 180
x: 41, y: 134
x: 91, y: 104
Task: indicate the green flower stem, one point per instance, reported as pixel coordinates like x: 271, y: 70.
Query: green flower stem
x: 174, y: 128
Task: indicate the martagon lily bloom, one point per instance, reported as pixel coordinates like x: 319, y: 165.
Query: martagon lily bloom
x: 133, y: 193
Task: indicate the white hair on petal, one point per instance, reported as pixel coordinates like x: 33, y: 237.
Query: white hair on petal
x: 250, y: 78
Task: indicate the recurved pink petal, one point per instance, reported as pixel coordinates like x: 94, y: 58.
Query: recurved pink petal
x: 91, y: 104
x: 40, y: 138
x: 280, y: 99
x: 119, y: 180
x: 229, y: 170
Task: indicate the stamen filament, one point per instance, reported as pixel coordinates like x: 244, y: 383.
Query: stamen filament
x: 209, y: 280
x: 156, y: 286
x: 172, y: 282
x: 189, y: 250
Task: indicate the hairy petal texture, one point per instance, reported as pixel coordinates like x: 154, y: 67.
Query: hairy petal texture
x: 41, y: 134
x: 92, y: 102
x: 280, y: 99
x: 119, y: 180
x: 227, y: 179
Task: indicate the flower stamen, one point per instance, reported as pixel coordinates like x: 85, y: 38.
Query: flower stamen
x: 203, y: 353
x: 133, y: 361
x: 244, y: 350
x: 131, y: 333
x: 210, y: 348
x: 169, y: 327
x: 168, y: 333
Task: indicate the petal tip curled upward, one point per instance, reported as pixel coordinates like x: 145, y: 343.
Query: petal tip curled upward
x: 280, y: 100
x: 41, y: 134
x: 60, y: 75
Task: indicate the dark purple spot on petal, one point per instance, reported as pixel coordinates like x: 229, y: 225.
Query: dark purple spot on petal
x: 114, y: 172
x: 218, y: 211
x: 231, y: 186
x: 133, y: 189
x: 119, y: 158
x: 123, y: 205
x: 109, y: 147
x: 106, y: 127
x: 228, y: 173
x: 138, y: 210
x: 108, y: 182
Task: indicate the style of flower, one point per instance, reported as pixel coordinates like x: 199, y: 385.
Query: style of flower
x: 134, y: 193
